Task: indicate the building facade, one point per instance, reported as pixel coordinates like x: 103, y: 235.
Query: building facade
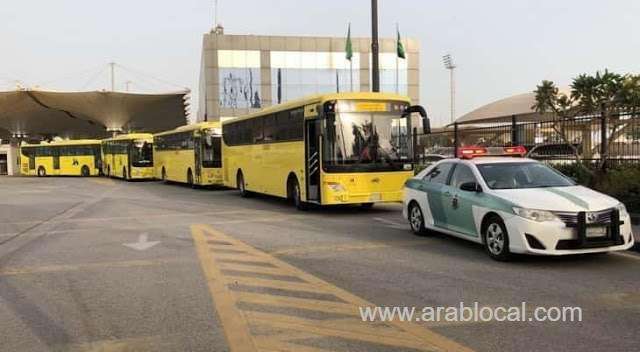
x: 8, y: 159
x: 243, y: 73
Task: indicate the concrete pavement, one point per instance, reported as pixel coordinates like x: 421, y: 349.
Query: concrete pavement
x: 78, y: 272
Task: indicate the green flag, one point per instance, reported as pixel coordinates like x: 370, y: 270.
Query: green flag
x: 348, y: 48
x: 399, y: 47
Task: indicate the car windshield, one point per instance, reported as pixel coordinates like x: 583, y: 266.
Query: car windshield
x: 522, y: 175
x: 362, y: 141
x: 141, y: 153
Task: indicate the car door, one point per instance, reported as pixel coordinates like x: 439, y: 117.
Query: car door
x: 435, y: 188
x: 459, y: 207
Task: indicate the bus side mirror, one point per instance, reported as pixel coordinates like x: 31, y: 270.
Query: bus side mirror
x: 426, y: 124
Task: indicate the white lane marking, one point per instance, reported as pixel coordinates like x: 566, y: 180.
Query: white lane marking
x: 143, y: 244
x: 627, y: 255
x: 391, y: 224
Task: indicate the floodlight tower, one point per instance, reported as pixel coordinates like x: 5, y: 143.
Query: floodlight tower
x: 449, y: 65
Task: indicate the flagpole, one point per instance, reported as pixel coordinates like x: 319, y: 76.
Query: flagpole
x: 351, y: 74
x: 397, y: 74
x: 350, y: 62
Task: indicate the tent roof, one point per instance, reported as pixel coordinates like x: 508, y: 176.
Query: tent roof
x: 89, y: 114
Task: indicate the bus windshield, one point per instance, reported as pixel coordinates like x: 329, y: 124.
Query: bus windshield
x: 141, y: 154
x: 367, y: 141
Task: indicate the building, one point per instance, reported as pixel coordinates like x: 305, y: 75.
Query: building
x: 8, y: 158
x: 243, y: 73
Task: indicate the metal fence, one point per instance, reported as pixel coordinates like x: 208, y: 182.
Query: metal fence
x: 616, y: 137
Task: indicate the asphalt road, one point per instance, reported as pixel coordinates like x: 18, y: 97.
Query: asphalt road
x: 96, y: 264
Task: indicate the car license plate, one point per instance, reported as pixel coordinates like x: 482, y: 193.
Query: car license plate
x: 599, y: 231
x: 374, y: 197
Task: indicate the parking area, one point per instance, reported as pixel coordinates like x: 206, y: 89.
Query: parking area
x: 95, y: 264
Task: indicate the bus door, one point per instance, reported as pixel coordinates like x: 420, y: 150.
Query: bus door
x: 312, y: 154
x: 55, y: 152
x: 32, y: 159
x: 197, y: 148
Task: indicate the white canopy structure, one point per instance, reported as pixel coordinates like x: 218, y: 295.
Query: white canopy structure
x: 89, y: 114
x: 503, y: 110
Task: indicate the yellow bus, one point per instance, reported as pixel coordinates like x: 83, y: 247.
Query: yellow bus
x: 343, y: 148
x: 128, y: 156
x: 80, y: 157
x: 189, y: 154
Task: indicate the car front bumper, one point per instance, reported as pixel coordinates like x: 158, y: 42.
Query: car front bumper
x: 558, y: 238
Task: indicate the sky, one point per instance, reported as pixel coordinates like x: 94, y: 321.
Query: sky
x: 501, y: 48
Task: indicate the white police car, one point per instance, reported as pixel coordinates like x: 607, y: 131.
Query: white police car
x: 514, y: 205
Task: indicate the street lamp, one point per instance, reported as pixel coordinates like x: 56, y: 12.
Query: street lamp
x: 449, y: 65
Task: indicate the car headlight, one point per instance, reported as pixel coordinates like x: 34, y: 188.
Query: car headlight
x: 336, y: 187
x: 622, y: 210
x: 535, y: 214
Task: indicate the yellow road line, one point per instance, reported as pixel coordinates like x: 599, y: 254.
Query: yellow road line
x: 235, y: 327
x: 8, y: 271
x: 253, y: 217
x: 294, y: 302
x: 357, y: 246
x: 242, y: 313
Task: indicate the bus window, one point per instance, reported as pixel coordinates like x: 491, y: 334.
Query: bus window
x: 211, y: 151
x: 141, y: 153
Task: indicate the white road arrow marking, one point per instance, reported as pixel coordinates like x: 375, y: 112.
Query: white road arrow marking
x: 391, y: 224
x: 142, y: 244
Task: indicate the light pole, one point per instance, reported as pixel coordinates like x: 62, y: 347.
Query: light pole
x: 449, y: 65
x: 375, y: 68
x: 112, y: 65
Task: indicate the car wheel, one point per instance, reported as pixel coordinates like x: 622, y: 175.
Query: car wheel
x: 416, y: 219
x: 496, y: 239
x: 241, y: 185
x: 42, y: 172
x: 85, y: 171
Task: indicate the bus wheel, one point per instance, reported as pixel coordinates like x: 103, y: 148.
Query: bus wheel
x: 164, y: 175
x: 85, y: 171
x: 295, y: 193
x: 42, y: 172
x: 241, y: 186
x: 190, y: 179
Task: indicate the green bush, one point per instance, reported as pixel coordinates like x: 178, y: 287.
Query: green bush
x: 621, y: 182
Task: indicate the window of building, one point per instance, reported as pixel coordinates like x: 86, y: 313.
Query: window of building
x: 239, y: 78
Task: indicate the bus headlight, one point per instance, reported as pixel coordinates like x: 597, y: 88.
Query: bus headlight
x: 336, y: 187
x: 535, y: 214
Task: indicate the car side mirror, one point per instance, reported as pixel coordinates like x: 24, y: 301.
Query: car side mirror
x: 471, y: 187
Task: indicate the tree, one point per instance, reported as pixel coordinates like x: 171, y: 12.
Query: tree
x: 604, y: 93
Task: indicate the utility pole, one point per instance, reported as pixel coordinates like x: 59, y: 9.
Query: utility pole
x: 449, y: 65
x: 113, y: 77
x: 375, y: 67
